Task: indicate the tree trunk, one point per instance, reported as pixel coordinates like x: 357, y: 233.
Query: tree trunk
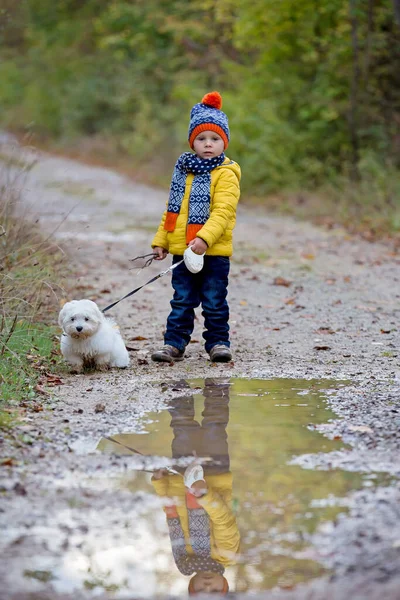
x: 396, y: 6
x: 354, y: 89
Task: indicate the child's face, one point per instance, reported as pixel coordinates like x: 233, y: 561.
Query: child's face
x: 208, y: 144
x: 208, y: 582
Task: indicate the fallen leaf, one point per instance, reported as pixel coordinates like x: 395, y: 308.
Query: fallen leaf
x: 322, y: 348
x: 243, y: 303
x: 83, y: 286
x: 308, y: 256
x: 367, y: 308
x: 282, y: 281
x: 138, y: 338
x: 105, y: 291
x: 40, y: 390
x: 19, y: 489
x: 360, y: 428
x: 7, y: 462
x: 99, y: 408
x: 386, y: 330
x: 325, y: 331
x: 289, y: 301
x: 50, y: 380
x: 142, y: 361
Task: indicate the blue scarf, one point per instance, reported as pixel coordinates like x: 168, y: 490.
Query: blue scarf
x: 200, y: 196
x: 200, y: 540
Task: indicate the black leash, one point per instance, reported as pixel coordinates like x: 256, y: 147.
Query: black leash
x: 171, y: 268
x: 110, y: 439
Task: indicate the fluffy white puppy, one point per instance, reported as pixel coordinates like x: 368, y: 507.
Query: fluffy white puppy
x: 90, y: 339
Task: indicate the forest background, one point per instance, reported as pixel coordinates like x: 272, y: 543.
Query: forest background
x: 312, y: 90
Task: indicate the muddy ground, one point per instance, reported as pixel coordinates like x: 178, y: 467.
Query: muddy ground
x: 305, y: 303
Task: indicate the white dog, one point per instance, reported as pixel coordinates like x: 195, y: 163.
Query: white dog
x: 90, y: 339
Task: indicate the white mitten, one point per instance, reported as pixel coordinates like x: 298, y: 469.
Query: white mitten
x: 194, y: 262
x: 193, y: 473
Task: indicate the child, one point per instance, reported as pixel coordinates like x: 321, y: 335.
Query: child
x: 201, y: 213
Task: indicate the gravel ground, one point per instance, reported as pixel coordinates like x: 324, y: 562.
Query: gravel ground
x: 305, y: 303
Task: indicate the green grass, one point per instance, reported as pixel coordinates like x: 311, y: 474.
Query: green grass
x: 24, y: 357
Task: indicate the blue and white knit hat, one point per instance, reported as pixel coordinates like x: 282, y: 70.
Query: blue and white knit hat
x: 208, y: 116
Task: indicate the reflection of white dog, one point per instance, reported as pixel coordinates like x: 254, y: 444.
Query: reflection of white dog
x: 90, y: 339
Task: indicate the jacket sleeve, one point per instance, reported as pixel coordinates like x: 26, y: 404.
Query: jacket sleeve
x: 225, y: 530
x: 223, y: 212
x: 160, y: 239
x: 161, y: 486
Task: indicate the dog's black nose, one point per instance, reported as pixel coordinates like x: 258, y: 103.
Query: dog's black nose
x: 79, y: 328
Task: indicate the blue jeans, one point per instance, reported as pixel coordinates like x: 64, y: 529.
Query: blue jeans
x: 208, y: 288
x: 208, y: 438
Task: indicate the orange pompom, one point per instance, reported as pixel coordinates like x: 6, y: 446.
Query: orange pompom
x: 213, y: 99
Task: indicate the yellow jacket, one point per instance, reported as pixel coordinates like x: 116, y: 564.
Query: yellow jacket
x: 225, y: 537
x: 217, y: 231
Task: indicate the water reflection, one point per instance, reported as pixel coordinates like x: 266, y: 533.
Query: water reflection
x: 273, y: 505
x: 202, y: 527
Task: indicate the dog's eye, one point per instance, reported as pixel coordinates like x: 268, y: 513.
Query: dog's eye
x: 72, y: 318
x: 86, y: 319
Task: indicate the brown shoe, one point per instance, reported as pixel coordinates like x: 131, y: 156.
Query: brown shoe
x: 220, y: 353
x: 168, y: 354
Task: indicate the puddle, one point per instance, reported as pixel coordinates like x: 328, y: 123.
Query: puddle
x: 259, y: 511
x: 252, y: 429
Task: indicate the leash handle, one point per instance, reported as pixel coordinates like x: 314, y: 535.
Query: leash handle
x: 171, y: 268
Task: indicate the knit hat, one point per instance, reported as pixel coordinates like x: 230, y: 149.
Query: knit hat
x: 208, y: 116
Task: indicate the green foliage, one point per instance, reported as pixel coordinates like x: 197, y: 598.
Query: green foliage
x: 23, y: 348
x: 29, y: 265
x: 42, y: 576
x: 312, y: 90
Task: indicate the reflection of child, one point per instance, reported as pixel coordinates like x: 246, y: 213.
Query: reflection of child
x: 202, y: 528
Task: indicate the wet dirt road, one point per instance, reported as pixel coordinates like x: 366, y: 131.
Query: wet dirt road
x: 305, y: 304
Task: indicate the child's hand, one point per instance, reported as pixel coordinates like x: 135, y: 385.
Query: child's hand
x: 160, y: 473
x: 161, y: 253
x: 198, y: 245
x: 198, y: 489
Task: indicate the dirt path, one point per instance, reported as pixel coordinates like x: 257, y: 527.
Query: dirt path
x: 305, y: 303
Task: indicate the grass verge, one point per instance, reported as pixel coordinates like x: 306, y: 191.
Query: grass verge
x: 29, y: 291
x: 370, y: 208
x: 27, y: 360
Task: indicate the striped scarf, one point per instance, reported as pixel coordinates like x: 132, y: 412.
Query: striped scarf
x: 200, y: 196
x: 199, y: 527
